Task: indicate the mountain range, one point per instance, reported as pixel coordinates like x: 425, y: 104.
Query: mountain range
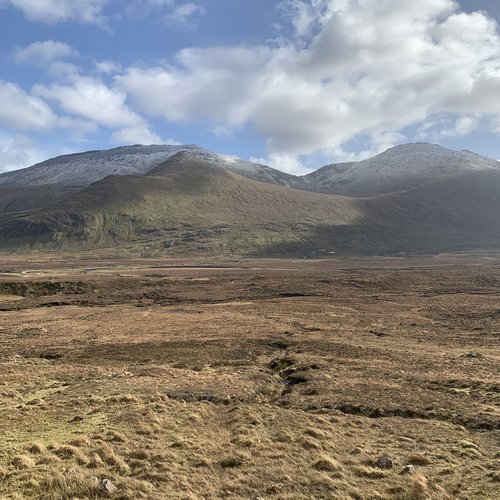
x: 184, y: 200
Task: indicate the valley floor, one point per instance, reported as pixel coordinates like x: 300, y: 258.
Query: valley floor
x: 250, y: 379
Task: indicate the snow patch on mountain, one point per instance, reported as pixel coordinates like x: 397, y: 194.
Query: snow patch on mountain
x: 82, y: 169
x: 397, y: 169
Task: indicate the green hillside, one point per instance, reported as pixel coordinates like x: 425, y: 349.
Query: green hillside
x: 185, y: 206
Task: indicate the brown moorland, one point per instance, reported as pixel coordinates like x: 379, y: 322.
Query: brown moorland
x: 262, y: 379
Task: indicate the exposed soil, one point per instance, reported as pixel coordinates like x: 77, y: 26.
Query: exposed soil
x: 250, y: 379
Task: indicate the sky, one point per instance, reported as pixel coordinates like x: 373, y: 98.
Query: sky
x: 295, y: 84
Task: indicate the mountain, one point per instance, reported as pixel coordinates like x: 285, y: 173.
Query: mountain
x: 185, y: 205
x: 413, y: 198
x: 82, y: 169
x: 19, y: 199
x: 397, y: 169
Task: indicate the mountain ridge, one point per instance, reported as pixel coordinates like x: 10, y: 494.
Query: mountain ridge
x: 81, y: 169
x: 383, y: 172
x: 411, y: 199
x: 397, y: 169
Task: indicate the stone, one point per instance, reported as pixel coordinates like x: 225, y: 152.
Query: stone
x: 409, y: 469
x: 384, y: 463
x: 472, y: 355
x: 108, y: 486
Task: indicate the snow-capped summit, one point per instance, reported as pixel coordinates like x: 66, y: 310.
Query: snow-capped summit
x: 82, y: 169
x: 397, y: 169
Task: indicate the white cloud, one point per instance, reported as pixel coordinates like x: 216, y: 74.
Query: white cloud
x: 91, y: 103
x: 302, y: 15
x: 12, y: 157
x: 63, y: 69
x: 462, y: 126
x: 23, y: 111
x: 91, y: 99
x: 26, y: 112
x: 135, y: 135
x: 43, y: 53
x: 283, y: 162
x: 179, y: 14
x: 85, y: 104
x: 353, y: 68
x: 18, y: 152
x: 182, y: 14
x: 107, y: 67
x: 215, y: 83
x: 54, y: 11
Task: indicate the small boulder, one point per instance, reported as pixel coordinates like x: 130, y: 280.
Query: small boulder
x: 472, y: 355
x: 384, y: 463
x: 409, y: 469
x: 108, y: 486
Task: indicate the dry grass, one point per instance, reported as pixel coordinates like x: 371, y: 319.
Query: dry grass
x: 37, y: 448
x: 254, y: 383
x: 72, y: 484
x: 421, y: 489
x: 418, y: 459
x: 22, y: 462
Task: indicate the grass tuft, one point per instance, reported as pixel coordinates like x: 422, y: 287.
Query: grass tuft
x: 22, y: 461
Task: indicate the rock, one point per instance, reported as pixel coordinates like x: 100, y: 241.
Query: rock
x: 384, y: 463
x: 409, y: 469
x: 108, y: 486
x: 378, y: 334
x: 473, y: 355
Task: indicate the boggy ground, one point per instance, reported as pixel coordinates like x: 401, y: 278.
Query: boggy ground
x: 254, y: 380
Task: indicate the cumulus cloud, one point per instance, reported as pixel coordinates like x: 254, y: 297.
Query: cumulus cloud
x: 107, y: 67
x: 283, y: 162
x: 12, y: 157
x: 182, y: 14
x: 221, y: 84
x: 351, y: 68
x: 302, y: 15
x: 91, y: 99
x: 461, y: 126
x: 18, y: 152
x: 90, y: 103
x: 22, y: 111
x: 43, y: 53
x: 54, y: 11
x: 83, y: 105
x: 135, y: 135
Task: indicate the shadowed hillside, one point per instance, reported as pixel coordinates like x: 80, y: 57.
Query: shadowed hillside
x: 188, y: 205
x: 183, y: 205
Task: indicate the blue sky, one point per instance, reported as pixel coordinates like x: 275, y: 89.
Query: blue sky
x: 293, y: 83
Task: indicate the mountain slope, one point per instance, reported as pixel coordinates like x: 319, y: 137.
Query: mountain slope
x: 414, y: 198
x: 186, y: 204
x: 397, y: 169
x: 82, y: 169
x: 22, y: 199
